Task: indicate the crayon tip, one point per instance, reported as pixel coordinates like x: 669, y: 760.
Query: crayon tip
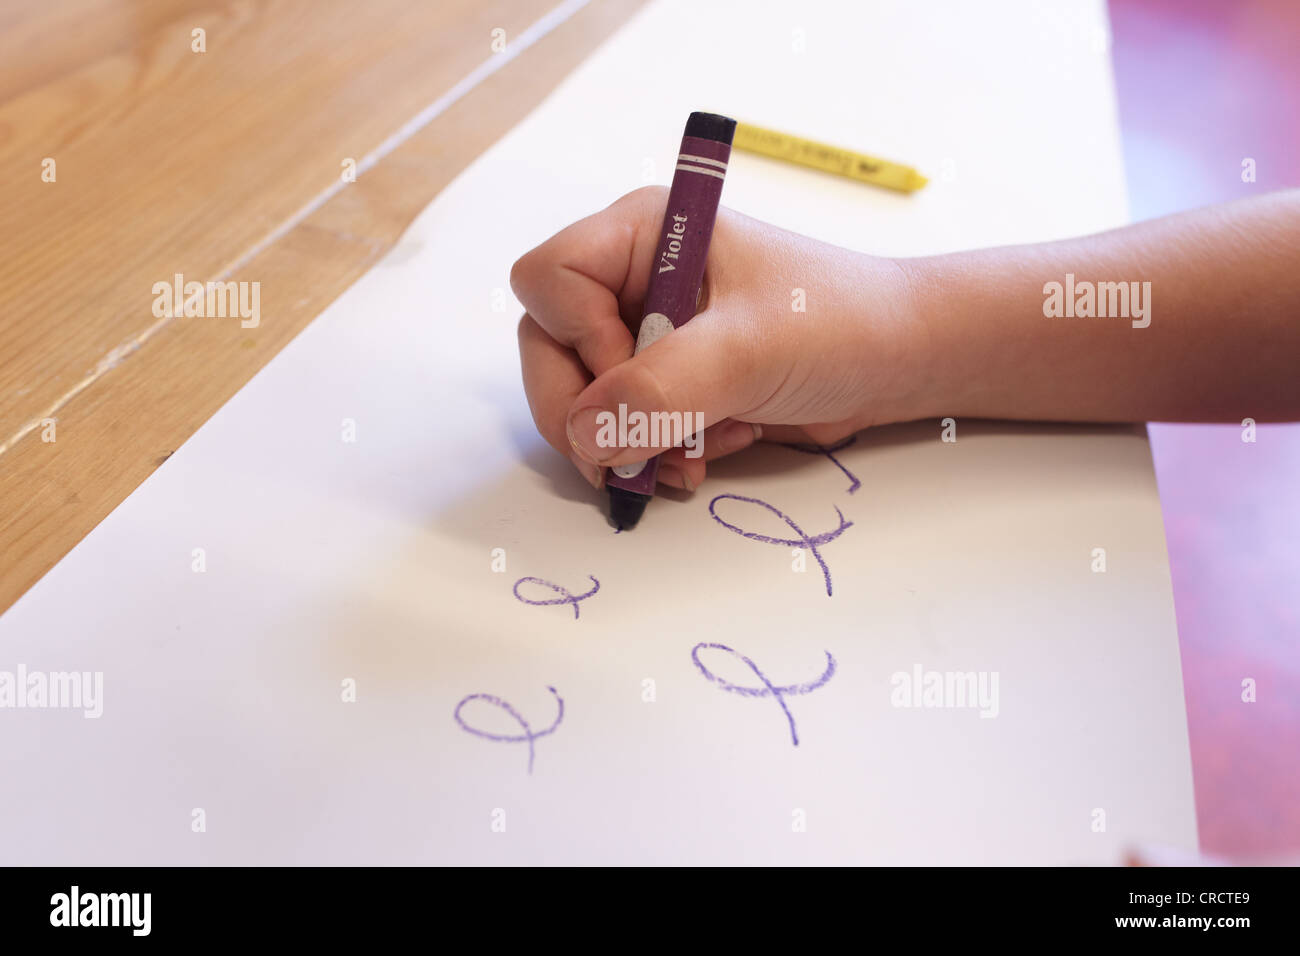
x: 626, y: 508
x: 916, y: 181
x: 712, y: 126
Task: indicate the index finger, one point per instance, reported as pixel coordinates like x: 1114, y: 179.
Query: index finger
x: 584, y: 283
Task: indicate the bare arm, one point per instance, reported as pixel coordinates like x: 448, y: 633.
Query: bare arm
x: 1194, y: 317
x: 1222, y: 343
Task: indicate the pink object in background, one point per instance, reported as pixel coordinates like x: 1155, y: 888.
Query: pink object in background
x: 1203, y: 87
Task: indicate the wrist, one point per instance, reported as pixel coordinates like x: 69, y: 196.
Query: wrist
x: 913, y: 389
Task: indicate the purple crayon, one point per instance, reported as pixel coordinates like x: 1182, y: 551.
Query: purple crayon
x: 676, y: 277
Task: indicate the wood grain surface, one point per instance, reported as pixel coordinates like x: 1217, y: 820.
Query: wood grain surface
x: 225, y: 165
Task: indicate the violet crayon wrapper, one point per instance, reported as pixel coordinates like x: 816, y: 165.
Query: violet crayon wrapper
x: 678, y: 269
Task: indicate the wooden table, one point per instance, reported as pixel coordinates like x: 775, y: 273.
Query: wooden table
x: 225, y: 163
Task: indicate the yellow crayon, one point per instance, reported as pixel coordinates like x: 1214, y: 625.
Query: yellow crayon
x: 829, y: 159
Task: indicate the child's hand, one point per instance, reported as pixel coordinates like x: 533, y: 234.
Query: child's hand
x: 748, y: 361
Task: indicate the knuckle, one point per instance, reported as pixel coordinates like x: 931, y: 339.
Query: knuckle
x: 648, y: 388
x: 647, y: 194
x: 521, y: 272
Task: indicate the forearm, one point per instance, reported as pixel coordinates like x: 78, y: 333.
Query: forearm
x: 1222, y: 343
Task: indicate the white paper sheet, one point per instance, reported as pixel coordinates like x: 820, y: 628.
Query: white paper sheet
x: 329, y: 561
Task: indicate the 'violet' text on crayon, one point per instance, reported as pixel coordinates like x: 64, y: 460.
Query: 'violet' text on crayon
x: 674, y: 244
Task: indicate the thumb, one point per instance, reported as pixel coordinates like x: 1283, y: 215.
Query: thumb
x: 689, y: 379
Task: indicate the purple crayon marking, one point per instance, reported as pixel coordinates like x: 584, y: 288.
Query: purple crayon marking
x: 829, y: 452
x: 768, y: 689
x: 564, y: 596
x: 527, y: 736
x: 803, y: 541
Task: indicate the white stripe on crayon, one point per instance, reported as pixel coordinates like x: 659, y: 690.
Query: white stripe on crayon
x: 702, y: 159
x: 698, y: 169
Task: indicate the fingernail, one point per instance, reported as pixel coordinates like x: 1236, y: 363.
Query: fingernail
x: 672, y: 475
x: 738, y: 435
x: 582, y: 429
x: 595, y: 476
